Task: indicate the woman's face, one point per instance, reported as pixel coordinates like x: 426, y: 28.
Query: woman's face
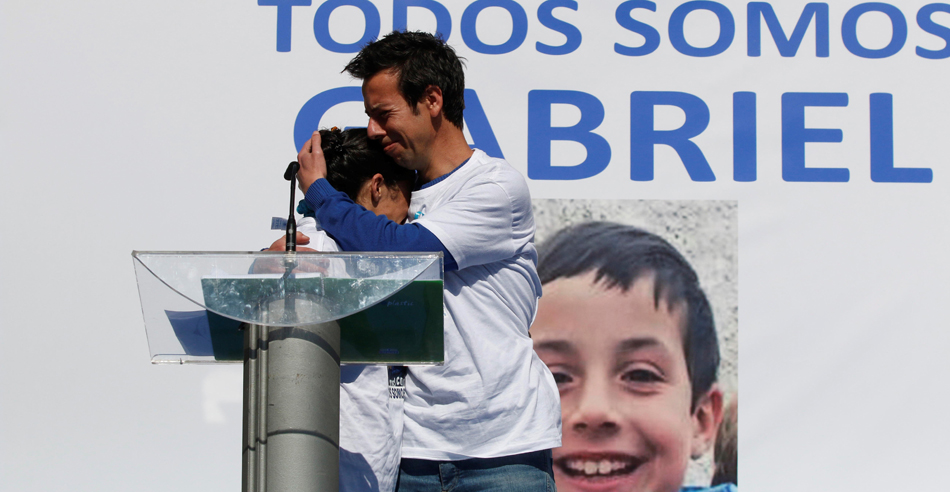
x: 617, y: 357
x: 391, y: 201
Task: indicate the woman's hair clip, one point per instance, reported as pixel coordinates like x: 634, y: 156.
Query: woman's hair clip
x: 334, y: 142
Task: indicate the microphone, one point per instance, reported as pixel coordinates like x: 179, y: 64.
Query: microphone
x: 291, y: 175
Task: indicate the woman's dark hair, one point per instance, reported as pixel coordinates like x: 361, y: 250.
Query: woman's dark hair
x: 352, y: 159
x: 619, y: 255
x: 418, y: 59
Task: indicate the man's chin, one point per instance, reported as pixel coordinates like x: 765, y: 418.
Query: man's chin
x: 405, y: 162
x: 396, y: 152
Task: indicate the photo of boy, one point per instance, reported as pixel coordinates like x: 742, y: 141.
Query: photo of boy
x: 628, y: 334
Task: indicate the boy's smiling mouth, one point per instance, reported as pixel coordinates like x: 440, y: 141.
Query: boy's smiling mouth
x: 597, y: 465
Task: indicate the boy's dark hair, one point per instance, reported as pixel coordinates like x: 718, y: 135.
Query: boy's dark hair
x: 619, y: 255
x: 353, y: 158
x: 418, y: 59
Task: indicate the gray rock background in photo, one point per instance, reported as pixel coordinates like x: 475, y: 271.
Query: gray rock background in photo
x: 706, y: 233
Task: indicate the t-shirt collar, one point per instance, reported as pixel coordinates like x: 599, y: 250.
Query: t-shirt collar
x: 442, y: 178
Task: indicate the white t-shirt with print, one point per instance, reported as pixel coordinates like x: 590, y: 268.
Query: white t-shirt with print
x: 493, y: 396
x: 370, y: 413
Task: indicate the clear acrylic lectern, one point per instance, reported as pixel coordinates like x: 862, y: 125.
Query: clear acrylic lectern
x: 291, y: 318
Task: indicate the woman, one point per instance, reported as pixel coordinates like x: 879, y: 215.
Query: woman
x: 358, y: 167
x: 370, y: 414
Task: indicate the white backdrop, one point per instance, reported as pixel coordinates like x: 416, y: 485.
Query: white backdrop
x: 167, y: 126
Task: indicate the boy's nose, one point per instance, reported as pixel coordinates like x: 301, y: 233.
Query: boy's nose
x: 594, y: 417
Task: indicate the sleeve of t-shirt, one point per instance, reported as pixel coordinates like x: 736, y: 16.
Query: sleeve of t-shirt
x: 319, y: 240
x: 356, y: 229
x: 478, y: 225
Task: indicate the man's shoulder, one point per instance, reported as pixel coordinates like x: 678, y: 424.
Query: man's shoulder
x: 481, y: 159
x: 497, y: 170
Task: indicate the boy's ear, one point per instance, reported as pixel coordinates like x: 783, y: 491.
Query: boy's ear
x: 706, y: 419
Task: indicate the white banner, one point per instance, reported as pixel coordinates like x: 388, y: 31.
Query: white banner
x: 818, y: 129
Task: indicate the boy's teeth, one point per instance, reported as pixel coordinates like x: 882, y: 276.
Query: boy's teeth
x: 601, y: 467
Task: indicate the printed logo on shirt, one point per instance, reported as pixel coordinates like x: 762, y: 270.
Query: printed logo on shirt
x: 420, y: 213
x: 397, y: 382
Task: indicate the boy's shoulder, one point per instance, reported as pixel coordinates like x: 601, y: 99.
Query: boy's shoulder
x: 726, y: 487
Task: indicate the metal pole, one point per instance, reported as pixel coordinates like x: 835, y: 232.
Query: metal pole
x: 291, y: 407
x: 303, y: 409
x: 262, y: 409
x: 249, y: 477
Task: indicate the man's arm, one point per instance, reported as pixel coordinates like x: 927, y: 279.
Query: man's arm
x: 353, y: 227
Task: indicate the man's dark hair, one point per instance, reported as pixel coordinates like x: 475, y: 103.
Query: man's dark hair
x: 353, y: 158
x: 619, y: 255
x: 418, y: 59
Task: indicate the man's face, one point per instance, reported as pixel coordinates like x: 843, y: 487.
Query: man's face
x: 619, y: 365
x: 404, y: 131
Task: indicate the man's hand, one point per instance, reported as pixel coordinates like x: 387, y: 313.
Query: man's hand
x: 313, y: 165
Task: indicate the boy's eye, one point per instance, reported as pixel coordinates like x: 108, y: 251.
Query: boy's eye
x: 640, y: 375
x: 562, y: 377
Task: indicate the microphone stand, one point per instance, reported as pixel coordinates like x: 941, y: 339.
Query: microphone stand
x: 291, y: 175
x: 291, y: 238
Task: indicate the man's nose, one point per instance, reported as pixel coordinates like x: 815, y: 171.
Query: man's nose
x: 374, y: 130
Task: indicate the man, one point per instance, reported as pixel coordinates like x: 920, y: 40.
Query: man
x: 487, y: 418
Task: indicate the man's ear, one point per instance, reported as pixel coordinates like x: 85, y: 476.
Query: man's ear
x: 432, y: 98
x: 706, y: 418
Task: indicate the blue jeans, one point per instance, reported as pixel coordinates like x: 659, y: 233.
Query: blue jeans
x: 529, y: 472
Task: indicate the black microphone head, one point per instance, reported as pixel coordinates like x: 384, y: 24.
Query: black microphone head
x: 291, y: 171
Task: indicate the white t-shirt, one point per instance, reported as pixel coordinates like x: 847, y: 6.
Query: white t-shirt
x: 493, y: 396
x: 370, y: 413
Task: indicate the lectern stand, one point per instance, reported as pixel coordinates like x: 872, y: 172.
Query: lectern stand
x: 291, y: 318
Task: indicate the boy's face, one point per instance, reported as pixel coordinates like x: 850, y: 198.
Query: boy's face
x: 619, y: 364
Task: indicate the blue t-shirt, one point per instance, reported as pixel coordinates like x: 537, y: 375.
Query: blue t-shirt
x: 725, y: 487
